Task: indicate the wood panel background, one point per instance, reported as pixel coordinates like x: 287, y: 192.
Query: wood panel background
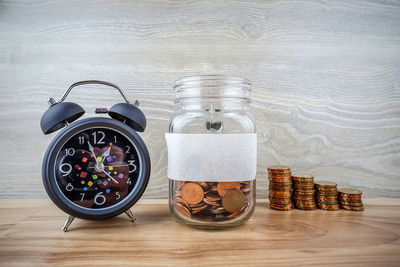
x: 325, y: 77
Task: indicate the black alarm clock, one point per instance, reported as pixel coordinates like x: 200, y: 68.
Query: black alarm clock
x: 98, y: 167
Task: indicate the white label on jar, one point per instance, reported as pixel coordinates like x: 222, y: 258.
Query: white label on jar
x: 212, y: 157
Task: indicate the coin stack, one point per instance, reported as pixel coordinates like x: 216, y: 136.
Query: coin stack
x: 327, y: 195
x: 304, y: 192
x: 212, y: 201
x: 280, y: 187
x: 350, y: 199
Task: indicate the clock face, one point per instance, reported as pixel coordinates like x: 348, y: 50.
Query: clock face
x: 97, y: 168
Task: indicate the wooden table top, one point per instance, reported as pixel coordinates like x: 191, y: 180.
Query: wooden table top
x: 30, y: 234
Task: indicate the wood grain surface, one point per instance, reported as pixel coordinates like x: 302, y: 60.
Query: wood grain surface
x: 30, y: 234
x: 326, y: 79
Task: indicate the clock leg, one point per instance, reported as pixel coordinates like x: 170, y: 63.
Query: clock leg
x: 67, y: 223
x: 130, y: 215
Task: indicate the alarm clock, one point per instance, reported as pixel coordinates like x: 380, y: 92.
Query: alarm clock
x: 98, y: 167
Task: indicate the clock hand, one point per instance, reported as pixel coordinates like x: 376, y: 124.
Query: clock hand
x: 123, y: 165
x: 115, y: 181
x: 92, y: 151
x: 105, y: 154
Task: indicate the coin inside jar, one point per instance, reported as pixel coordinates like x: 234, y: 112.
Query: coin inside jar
x: 233, y: 200
x: 182, y: 209
x: 192, y: 193
x: 222, y: 187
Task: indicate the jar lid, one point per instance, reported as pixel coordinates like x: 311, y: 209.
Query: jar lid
x: 213, y: 86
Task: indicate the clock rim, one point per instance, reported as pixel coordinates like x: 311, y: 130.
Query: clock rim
x: 55, y: 193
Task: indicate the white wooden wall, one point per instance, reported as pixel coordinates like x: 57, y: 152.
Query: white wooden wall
x: 326, y: 78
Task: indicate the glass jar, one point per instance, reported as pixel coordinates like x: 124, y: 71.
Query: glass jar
x: 212, y: 151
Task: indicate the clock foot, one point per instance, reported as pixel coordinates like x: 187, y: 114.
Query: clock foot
x: 130, y: 215
x: 67, y: 223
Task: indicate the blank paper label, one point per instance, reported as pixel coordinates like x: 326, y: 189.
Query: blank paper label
x: 212, y: 157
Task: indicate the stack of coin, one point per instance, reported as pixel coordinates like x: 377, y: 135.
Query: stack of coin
x: 212, y: 201
x: 350, y: 199
x: 280, y: 187
x: 327, y: 195
x: 304, y: 193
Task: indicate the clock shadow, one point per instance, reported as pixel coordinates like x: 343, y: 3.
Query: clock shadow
x: 146, y: 215
x: 106, y: 224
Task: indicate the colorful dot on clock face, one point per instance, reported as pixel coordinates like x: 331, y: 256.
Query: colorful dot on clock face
x: 99, y: 181
x: 83, y: 174
x: 109, y: 172
x: 107, y: 190
x: 108, y: 179
x: 120, y: 175
x: 94, y: 176
x: 105, y: 183
x: 111, y: 159
x: 82, y: 182
x: 110, y: 168
x: 91, y: 155
x: 84, y: 159
x: 96, y: 188
x: 85, y: 189
x: 99, y: 159
x: 115, y: 173
x: 90, y: 183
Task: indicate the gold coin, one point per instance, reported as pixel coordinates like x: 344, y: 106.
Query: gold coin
x: 203, y: 184
x: 308, y: 208
x: 327, y: 198
x: 278, y: 167
x: 280, y: 188
x: 303, y: 178
x: 306, y: 201
x: 327, y: 194
x: 178, y: 184
x: 303, y: 184
x: 280, y: 175
x: 280, y: 200
x: 280, y: 180
x: 192, y: 193
x: 233, y: 200
x: 353, y: 208
x: 276, y: 183
x: 297, y: 195
x: 352, y: 204
x: 306, y: 176
x: 182, y: 209
x: 325, y: 184
x: 326, y: 190
x: 350, y: 200
x: 223, y: 186
x: 280, y: 194
x: 198, y: 209
x: 345, y: 196
x: 329, y: 207
x: 303, y: 189
x: 281, y: 207
x: 349, y: 191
